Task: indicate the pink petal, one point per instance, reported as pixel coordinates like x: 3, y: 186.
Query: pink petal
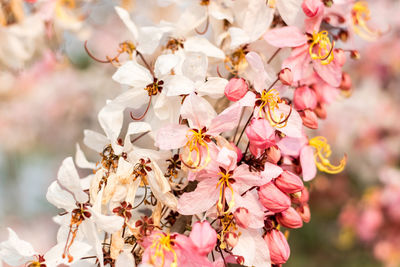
x: 307, y: 163
x: 201, y: 199
x: 198, y: 111
x: 330, y: 73
x: 171, y: 136
x: 289, y: 36
x: 226, y: 120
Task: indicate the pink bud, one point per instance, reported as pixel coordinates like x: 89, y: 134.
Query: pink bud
x: 340, y: 57
x: 304, y: 212
x: 286, y: 76
x: 302, y: 198
x: 261, y: 135
x: 312, y: 7
x: 320, y: 111
x: 242, y: 217
x: 272, y: 198
x: 273, y: 154
x: 290, y: 218
x: 346, y: 82
x: 304, y: 98
x: 204, y: 237
x: 231, y: 239
x: 240, y: 260
x: 236, y: 89
x: 279, y: 249
x: 289, y: 182
x: 309, y: 118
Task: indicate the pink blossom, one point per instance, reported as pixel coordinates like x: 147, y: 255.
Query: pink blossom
x: 286, y: 76
x: 261, y: 135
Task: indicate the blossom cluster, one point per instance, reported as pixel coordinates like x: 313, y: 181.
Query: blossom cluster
x: 210, y: 165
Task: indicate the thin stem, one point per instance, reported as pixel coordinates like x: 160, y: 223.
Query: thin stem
x: 244, y: 128
x: 145, y: 62
x: 237, y: 128
x: 140, y: 136
x: 274, y: 55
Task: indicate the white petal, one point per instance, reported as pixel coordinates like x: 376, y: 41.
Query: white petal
x: 178, y: 85
x: 165, y: 63
x: 217, y: 11
x: 77, y: 250
x: 92, y: 236
x: 252, y: 247
x: 95, y: 141
x: 111, y: 118
x: 59, y: 197
x: 238, y: 37
x: 213, y: 87
x: 68, y: 177
x: 15, y: 251
x: 124, y: 16
x: 198, y: 44
x: 81, y: 161
x: 109, y: 224
x: 290, y: 11
x: 125, y: 259
x: 149, y: 39
x: 133, y: 74
x: 135, y: 128
x: 195, y: 66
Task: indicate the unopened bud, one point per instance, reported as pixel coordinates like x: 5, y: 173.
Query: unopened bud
x: 236, y: 89
x: 290, y: 218
x: 304, y: 212
x: 346, y: 82
x: 289, y: 182
x: 279, y: 249
x: 354, y: 54
x: 309, y: 118
x: 231, y: 239
x: 272, y: 198
x: 340, y: 56
x: 320, y: 111
x: 273, y: 154
x: 286, y: 76
x: 242, y: 217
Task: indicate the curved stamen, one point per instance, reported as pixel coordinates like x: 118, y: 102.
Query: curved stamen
x: 206, y: 27
x: 109, y: 60
x: 144, y: 114
x: 323, y: 152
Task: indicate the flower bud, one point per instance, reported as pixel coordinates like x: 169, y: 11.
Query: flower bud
x: 320, y: 111
x: 279, y: 249
x: 240, y: 260
x: 340, y: 56
x: 346, y: 82
x: 304, y: 212
x: 309, y: 118
x: 273, y: 199
x: 236, y: 89
x: 242, y: 217
x: 273, y: 154
x: 231, y: 239
x: 289, y: 183
x: 203, y: 236
x: 286, y: 76
x: 261, y: 135
x: 290, y: 218
x: 304, y: 98
x: 312, y: 7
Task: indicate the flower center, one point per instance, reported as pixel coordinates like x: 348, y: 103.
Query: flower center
x: 196, y: 140
x: 164, y: 244
x: 155, y: 87
x: 270, y: 100
x: 321, y: 47
x: 225, y: 181
x: 237, y: 60
x: 323, y: 152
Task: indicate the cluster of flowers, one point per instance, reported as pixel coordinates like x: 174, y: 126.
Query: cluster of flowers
x: 197, y: 187
x: 375, y: 219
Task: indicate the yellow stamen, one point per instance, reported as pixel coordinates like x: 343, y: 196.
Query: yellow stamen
x: 323, y: 152
x: 237, y: 60
x: 271, y: 3
x: 271, y: 99
x: 194, y: 143
x: 163, y: 245
x: 223, y: 183
x: 361, y: 14
x: 323, y: 46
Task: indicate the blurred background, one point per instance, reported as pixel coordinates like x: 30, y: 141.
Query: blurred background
x: 50, y: 91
